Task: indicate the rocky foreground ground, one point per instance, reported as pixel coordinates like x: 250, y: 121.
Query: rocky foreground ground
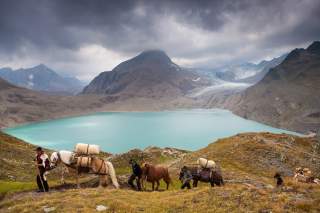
x: 248, y: 163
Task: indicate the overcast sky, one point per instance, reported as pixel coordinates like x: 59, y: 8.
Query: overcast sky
x: 83, y: 38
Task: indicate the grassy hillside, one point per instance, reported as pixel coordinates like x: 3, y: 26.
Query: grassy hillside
x: 16, y: 159
x: 248, y: 162
x: 261, y: 154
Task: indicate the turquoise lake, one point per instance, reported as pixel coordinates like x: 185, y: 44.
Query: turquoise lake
x: 118, y: 132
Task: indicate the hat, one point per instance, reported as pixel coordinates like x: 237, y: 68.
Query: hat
x: 38, y: 148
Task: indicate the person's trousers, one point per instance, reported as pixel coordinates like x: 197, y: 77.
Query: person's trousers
x: 132, y: 178
x: 41, y: 181
x: 186, y: 184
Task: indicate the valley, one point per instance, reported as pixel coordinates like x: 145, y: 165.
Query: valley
x: 152, y: 82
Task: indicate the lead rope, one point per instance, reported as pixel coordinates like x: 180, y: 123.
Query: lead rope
x: 88, y: 149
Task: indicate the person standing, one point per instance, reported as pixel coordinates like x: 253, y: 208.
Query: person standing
x: 136, y: 174
x: 43, y: 165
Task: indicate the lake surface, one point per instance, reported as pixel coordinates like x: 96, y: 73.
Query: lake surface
x: 119, y: 132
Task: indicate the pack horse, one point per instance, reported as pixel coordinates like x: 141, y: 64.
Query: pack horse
x: 83, y: 160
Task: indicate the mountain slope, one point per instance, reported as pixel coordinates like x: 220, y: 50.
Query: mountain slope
x: 20, y: 105
x: 41, y: 78
x: 288, y: 96
x: 150, y: 74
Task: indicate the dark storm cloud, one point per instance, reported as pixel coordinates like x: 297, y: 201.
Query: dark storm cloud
x: 195, y: 32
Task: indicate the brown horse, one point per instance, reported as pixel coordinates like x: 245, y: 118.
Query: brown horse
x: 154, y: 174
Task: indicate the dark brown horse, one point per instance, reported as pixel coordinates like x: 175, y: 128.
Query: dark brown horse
x: 154, y: 174
x: 203, y: 175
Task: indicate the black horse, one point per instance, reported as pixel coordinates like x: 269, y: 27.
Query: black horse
x: 204, y: 175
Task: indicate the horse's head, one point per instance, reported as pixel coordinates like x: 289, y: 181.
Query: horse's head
x: 54, y: 159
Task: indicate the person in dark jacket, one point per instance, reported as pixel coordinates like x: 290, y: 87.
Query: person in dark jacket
x: 136, y: 174
x: 185, y: 177
x: 43, y: 165
x: 279, y: 179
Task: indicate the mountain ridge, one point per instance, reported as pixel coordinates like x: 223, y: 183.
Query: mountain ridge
x: 41, y: 78
x: 149, y: 74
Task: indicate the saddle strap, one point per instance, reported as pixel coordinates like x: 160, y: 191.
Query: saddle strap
x: 98, y: 172
x: 59, y: 156
x: 79, y: 164
x: 206, y: 163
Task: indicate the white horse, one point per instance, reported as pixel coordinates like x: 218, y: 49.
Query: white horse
x: 97, y: 166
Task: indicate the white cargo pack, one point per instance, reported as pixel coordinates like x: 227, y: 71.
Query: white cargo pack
x: 87, y: 149
x: 207, y: 164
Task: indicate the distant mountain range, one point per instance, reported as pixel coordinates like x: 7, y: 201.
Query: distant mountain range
x: 42, y: 78
x: 288, y: 96
x: 21, y: 105
x: 242, y: 73
x: 151, y: 74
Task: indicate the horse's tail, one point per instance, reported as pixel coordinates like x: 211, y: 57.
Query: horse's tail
x: 222, y: 181
x: 112, y: 174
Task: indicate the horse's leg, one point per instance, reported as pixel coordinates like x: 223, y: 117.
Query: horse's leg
x: 211, y: 183
x: 103, y: 180
x: 188, y: 185
x: 138, y: 183
x: 158, y: 184
x: 144, y: 183
x: 62, y: 175
x: 167, y: 182
x: 100, y: 181
x: 77, y: 178
x: 195, y: 183
x: 152, y: 185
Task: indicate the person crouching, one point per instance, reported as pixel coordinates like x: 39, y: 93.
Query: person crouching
x: 43, y: 165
